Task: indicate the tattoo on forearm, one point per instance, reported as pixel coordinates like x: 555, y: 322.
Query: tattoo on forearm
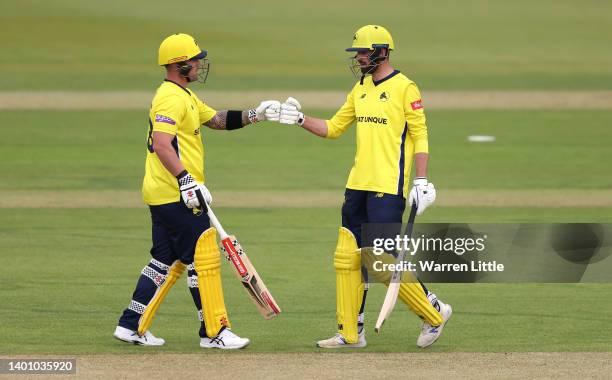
x: 218, y: 121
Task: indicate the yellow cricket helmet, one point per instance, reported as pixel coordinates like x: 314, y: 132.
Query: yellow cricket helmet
x: 371, y: 37
x: 178, y: 48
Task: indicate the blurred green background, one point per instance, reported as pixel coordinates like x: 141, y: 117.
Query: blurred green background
x: 540, y: 149
x: 473, y: 44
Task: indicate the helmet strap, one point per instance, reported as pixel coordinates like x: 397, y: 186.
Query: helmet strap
x: 375, y: 57
x: 184, y: 69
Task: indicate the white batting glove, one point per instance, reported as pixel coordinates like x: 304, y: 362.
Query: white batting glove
x: 290, y: 112
x: 267, y: 110
x: 423, y: 193
x: 193, y: 193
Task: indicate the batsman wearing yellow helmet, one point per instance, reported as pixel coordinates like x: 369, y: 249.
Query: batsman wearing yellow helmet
x: 173, y: 188
x: 391, y: 132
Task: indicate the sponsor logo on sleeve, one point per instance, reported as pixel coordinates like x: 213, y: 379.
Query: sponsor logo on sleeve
x: 416, y: 105
x: 164, y: 119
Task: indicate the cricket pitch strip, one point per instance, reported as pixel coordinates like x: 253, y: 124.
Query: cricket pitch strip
x: 328, y: 365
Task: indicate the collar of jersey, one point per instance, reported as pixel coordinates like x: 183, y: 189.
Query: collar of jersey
x: 184, y: 89
x: 377, y: 82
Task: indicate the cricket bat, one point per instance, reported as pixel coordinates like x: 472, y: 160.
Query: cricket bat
x: 394, y: 283
x: 244, y: 269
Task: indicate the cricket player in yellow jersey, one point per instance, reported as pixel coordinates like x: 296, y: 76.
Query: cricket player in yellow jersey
x: 174, y: 190
x: 391, y: 133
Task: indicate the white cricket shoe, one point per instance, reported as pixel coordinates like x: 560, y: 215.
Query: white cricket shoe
x: 226, y: 340
x: 130, y: 336
x: 429, y: 334
x: 338, y: 341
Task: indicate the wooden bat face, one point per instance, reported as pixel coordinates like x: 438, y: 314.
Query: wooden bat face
x: 253, y: 284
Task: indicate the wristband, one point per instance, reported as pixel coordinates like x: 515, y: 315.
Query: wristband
x: 234, y: 119
x: 184, y: 178
x: 182, y: 174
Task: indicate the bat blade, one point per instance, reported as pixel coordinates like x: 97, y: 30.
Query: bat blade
x: 390, y: 297
x: 396, y: 278
x: 250, y: 279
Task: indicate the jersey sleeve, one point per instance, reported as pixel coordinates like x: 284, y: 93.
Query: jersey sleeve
x: 343, y: 119
x: 415, y: 118
x: 167, y: 112
x: 206, y: 112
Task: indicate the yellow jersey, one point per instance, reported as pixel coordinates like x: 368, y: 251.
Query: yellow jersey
x: 391, y: 128
x: 178, y: 111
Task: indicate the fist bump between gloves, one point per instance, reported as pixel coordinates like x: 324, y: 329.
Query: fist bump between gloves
x: 290, y: 112
x: 266, y: 110
x: 272, y: 110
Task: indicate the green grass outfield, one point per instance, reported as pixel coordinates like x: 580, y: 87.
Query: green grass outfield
x: 69, y: 272
x: 66, y: 150
x: 474, y: 44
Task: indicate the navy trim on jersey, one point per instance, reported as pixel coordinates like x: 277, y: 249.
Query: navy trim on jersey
x: 377, y: 82
x: 400, y: 183
x: 175, y: 146
x: 184, y: 89
x: 150, y: 137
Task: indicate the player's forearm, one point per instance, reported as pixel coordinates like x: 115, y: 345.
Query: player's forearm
x: 221, y: 120
x: 162, y: 146
x: 231, y: 119
x: 245, y: 118
x: 315, y: 126
x: 420, y: 164
x: 168, y: 157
